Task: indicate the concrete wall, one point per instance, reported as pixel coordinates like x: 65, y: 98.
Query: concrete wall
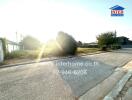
x: 1, y: 52
x: 12, y: 47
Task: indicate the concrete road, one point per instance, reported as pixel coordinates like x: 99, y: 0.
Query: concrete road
x: 63, y: 79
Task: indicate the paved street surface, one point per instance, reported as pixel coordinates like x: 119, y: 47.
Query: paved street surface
x: 62, y: 79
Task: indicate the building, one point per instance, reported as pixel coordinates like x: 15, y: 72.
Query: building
x: 124, y: 42
x: 12, y: 46
x: 7, y: 46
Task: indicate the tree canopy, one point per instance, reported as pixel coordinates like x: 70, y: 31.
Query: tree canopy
x: 67, y: 43
x: 30, y: 43
x: 106, y: 39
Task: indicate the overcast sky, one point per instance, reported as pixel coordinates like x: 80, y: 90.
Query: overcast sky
x: 83, y: 19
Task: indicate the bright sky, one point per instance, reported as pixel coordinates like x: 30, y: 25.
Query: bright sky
x: 83, y: 19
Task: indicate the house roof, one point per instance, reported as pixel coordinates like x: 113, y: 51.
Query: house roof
x: 117, y: 7
x: 122, y: 37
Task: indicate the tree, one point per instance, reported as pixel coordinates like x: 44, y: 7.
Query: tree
x: 79, y: 43
x: 107, y: 39
x: 67, y: 43
x: 4, y: 45
x: 30, y: 43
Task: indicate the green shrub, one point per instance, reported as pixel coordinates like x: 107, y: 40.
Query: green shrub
x: 106, y: 39
x: 52, y: 49
x: 67, y: 43
x: 114, y: 47
x: 30, y: 43
x: 14, y: 54
x: 4, y: 45
x: 104, y: 48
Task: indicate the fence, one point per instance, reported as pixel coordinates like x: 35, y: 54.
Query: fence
x: 12, y: 46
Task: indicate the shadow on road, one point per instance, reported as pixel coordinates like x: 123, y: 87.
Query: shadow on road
x: 82, y: 73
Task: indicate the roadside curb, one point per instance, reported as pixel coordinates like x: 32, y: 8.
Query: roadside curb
x: 29, y: 62
x: 46, y: 60
x: 111, y: 86
x: 102, y: 89
x: 119, y: 86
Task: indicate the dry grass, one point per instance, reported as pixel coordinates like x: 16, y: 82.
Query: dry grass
x: 32, y: 54
x: 22, y: 56
x: 87, y: 50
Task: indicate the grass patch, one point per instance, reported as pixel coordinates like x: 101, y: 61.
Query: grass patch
x: 87, y: 50
x: 22, y: 56
x: 33, y: 54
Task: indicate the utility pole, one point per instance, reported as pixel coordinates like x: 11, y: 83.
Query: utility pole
x: 16, y: 37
